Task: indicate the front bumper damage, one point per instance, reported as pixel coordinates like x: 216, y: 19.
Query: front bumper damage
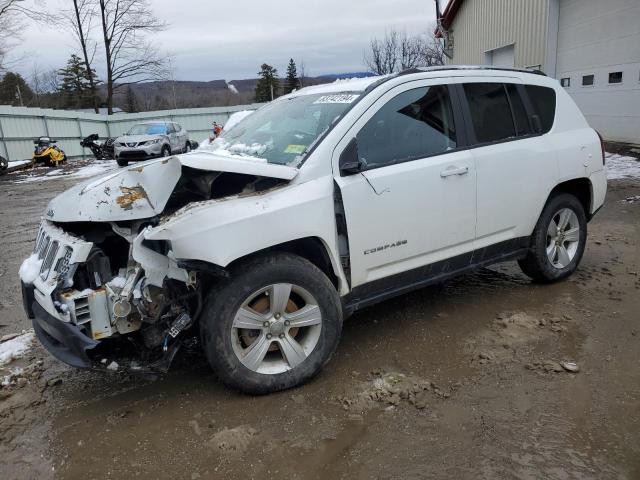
x: 64, y: 341
x: 140, y: 152
x: 84, y: 329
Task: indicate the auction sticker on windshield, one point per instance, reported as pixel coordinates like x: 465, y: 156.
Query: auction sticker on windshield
x: 297, y: 149
x: 338, y: 98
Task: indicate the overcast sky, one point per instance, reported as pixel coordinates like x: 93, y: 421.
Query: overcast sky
x: 231, y: 39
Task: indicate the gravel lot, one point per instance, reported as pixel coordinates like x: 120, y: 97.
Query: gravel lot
x: 463, y: 380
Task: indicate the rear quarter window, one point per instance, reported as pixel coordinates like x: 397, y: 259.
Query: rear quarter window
x: 543, y: 102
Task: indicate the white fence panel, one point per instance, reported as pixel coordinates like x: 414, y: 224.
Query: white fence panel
x: 19, y: 126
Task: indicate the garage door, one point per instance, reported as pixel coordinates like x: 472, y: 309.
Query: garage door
x: 502, y: 57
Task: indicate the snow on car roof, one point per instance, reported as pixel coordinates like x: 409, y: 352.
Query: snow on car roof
x: 347, y: 85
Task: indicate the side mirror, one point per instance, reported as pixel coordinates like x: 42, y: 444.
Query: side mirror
x: 349, y: 162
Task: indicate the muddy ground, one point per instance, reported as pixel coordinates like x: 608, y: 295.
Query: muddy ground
x: 462, y: 380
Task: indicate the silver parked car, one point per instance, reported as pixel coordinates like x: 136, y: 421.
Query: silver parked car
x: 149, y: 140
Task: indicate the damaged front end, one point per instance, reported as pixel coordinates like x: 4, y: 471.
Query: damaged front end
x: 103, y: 296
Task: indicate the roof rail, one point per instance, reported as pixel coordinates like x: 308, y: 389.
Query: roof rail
x: 440, y: 68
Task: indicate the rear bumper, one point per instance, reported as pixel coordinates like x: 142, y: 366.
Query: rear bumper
x: 63, y: 340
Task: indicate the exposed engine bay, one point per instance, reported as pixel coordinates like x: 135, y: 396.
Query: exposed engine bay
x: 126, y: 293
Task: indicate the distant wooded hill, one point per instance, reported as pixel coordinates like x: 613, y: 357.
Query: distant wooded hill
x: 168, y: 94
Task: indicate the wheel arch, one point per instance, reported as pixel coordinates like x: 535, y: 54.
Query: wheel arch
x: 581, y: 188
x: 312, y: 249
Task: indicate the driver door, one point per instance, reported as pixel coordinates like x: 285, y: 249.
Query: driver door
x: 411, y: 209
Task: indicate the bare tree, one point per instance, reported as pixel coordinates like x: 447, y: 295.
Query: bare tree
x: 302, y: 72
x: 398, y: 51
x: 45, y: 85
x: 80, y: 19
x: 130, y: 58
x: 12, y: 14
x: 382, y: 57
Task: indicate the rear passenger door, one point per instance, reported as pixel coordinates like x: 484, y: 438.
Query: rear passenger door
x: 515, y: 167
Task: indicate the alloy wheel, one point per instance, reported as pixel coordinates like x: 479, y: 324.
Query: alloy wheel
x: 563, y: 238
x: 276, y: 328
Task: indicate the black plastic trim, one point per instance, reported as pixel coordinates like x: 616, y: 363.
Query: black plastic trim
x: 389, y: 287
x: 28, y: 297
x: 458, y: 68
x: 63, y: 340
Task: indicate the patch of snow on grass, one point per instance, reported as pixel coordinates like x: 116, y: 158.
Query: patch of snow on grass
x: 30, y: 269
x: 90, y: 170
x: 16, y: 347
x: 619, y: 167
x: 19, y: 163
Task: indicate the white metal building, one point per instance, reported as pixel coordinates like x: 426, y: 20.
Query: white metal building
x: 591, y: 46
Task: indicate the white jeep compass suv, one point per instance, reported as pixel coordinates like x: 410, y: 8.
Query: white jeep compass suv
x: 320, y: 203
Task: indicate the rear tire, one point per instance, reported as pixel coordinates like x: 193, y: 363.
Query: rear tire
x: 293, y: 343
x: 558, y: 241
x: 122, y: 162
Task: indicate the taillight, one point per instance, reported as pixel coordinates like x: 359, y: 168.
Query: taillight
x: 602, y: 147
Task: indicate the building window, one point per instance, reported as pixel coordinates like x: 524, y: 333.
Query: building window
x: 587, y: 80
x: 615, y: 77
x: 565, y: 82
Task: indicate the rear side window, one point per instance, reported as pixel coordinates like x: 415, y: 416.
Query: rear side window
x: 543, y: 101
x: 490, y: 112
x: 415, y: 124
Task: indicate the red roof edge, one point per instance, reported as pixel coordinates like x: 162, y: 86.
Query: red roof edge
x: 450, y: 12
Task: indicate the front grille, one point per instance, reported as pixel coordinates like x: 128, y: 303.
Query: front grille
x: 52, y: 253
x: 63, y: 266
x: 134, y: 154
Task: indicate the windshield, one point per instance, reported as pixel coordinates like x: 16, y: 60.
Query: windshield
x: 148, y: 129
x: 283, y: 131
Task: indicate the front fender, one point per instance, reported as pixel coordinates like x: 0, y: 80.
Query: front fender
x: 224, y: 230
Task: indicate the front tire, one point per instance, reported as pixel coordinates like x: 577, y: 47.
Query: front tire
x: 165, y: 152
x: 273, y: 325
x: 558, y: 241
x: 122, y: 162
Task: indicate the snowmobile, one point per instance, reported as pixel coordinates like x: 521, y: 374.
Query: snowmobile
x: 100, y: 150
x: 47, y: 152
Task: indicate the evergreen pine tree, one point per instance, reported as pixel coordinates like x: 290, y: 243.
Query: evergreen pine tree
x: 75, y: 87
x: 15, y: 91
x: 268, y: 84
x: 292, y: 82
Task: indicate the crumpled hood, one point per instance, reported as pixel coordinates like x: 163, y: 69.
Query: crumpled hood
x: 143, y: 190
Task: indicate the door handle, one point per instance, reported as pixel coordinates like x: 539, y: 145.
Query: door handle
x: 451, y: 171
